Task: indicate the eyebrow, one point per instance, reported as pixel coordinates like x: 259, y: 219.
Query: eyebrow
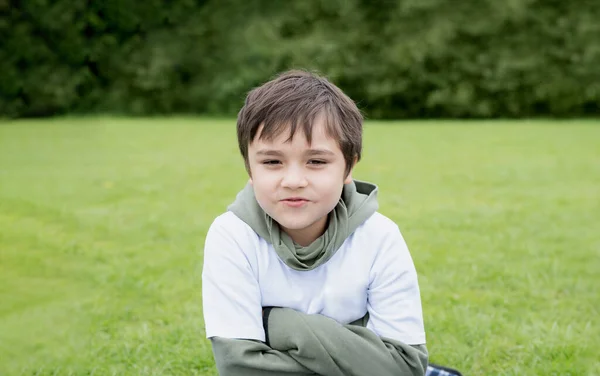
x: 320, y: 152
x: 277, y: 153
x: 269, y: 152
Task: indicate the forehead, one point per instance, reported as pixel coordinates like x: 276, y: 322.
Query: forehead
x: 319, y: 135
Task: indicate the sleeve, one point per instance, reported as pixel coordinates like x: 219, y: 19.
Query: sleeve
x: 235, y: 357
x: 393, y: 297
x: 326, y: 347
x: 230, y: 292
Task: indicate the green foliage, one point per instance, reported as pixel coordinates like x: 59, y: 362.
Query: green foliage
x: 410, y: 58
x: 102, y: 225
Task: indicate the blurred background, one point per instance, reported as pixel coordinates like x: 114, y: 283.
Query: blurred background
x: 397, y: 59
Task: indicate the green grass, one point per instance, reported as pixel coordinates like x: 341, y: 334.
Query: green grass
x: 102, y: 224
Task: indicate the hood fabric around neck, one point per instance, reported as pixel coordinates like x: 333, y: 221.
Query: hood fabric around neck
x: 357, y: 204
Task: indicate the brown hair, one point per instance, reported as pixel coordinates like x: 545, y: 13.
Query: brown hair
x: 294, y: 100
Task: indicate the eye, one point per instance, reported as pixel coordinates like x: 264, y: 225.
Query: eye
x: 271, y: 162
x: 317, y: 162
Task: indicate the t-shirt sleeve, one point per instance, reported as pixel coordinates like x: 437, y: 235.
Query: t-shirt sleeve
x: 393, y: 297
x: 230, y: 292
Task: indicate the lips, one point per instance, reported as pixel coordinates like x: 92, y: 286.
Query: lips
x: 295, y: 202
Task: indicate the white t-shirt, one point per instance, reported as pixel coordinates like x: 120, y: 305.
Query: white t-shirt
x: 371, y: 272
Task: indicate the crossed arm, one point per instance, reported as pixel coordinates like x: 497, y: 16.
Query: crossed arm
x: 300, y: 344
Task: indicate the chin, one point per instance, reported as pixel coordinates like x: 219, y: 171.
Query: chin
x: 292, y: 225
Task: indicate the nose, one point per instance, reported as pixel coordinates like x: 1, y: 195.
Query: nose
x: 294, y: 178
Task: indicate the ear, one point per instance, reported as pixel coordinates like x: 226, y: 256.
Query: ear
x: 348, y: 179
x: 250, y: 181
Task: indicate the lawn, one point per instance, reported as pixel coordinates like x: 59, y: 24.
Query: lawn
x: 102, y: 224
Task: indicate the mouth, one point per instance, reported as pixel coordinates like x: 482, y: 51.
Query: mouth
x: 294, y: 201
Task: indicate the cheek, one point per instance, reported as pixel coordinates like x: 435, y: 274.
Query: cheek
x: 263, y: 194
x: 263, y: 184
x: 264, y: 179
x: 335, y: 175
x: 331, y: 184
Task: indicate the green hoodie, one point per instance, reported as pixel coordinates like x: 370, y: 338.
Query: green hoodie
x: 358, y: 202
x: 301, y: 344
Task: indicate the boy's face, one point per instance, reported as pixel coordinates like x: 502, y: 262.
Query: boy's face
x: 298, y: 183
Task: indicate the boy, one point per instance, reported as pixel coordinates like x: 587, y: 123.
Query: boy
x: 302, y: 275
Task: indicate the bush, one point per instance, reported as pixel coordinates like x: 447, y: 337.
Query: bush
x: 412, y: 58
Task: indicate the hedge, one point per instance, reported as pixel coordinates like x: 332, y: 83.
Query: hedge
x: 397, y: 59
